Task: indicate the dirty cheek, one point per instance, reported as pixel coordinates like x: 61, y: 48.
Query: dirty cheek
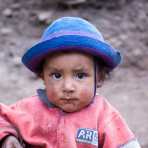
x: 87, y: 93
x: 51, y: 91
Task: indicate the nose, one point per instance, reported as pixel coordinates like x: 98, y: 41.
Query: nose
x: 68, y: 85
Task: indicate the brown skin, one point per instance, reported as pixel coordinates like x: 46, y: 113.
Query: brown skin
x: 69, y: 80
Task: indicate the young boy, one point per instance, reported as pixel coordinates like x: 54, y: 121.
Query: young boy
x: 72, y: 59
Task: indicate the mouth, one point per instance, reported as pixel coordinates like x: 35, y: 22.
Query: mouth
x: 69, y: 100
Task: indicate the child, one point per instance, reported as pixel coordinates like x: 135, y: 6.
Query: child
x: 72, y: 59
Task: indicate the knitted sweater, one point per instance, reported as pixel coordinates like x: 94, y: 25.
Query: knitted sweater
x: 42, y: 125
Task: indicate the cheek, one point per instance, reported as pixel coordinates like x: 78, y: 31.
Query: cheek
x: 50, y: 93
x: 51, y: 90
x: 87, y: 92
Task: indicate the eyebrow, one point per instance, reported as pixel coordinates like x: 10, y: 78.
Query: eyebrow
x: 79, y: 69
x: 54, y: 68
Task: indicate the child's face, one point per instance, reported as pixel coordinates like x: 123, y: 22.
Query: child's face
x: 69, y: 80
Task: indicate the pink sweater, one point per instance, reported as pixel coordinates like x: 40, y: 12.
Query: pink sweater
x: 46, y: 126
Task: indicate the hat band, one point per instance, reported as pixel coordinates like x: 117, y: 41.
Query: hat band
x: 80, y: 33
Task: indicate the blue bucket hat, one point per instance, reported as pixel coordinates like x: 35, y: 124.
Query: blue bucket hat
x: 71, y: 33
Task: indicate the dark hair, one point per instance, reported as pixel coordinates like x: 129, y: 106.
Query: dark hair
x: 102, y: 71
x: 40, y: 69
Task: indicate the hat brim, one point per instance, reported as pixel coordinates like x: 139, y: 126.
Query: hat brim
x: 103, y: 51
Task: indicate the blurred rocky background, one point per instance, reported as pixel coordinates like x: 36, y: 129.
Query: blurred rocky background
x: 124, y: 24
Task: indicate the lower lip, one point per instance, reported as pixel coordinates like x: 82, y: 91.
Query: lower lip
x: 69, y: 100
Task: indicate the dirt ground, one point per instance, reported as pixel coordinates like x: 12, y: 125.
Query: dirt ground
x: 125, y: 27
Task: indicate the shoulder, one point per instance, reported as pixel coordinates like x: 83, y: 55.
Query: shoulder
x: 104, y: 106
x: 107, y: 114
x: 29, y: 103
x: 113, y: 126
x: 27, y: 107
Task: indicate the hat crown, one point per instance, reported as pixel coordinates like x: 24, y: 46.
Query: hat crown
x: 72, y: 24
x: 71, y: 33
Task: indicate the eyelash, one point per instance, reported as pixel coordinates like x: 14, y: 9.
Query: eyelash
x: 82, y: 74
x: 53, y: 75
x: 78, y: 75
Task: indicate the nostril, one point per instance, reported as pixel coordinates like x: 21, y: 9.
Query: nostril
x: 68, y: 86
x: 68, y: 90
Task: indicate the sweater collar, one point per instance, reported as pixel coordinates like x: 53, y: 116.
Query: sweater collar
x: 43, y: 97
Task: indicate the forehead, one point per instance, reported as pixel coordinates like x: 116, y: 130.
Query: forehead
x: 69, y: 59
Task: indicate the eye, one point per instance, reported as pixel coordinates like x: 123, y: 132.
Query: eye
x: 56, y: 76
x: 81, y: 75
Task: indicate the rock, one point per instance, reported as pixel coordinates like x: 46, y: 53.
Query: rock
x: 17, y: 61
x: 10, y: 54
x: 44, y: 17
x: 7, y: 12
x: 2, y: 55
x: 15, y: 6
x: 116, y: 42
x: 72, y: 2
x: 6, y: 31
x: 137, y: 52
x: 140, y: 63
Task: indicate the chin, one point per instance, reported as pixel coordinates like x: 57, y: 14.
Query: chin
x: 69, y: 110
